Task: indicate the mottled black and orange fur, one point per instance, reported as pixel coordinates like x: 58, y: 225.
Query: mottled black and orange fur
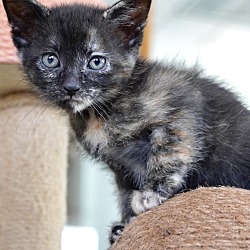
x: 161, y: 128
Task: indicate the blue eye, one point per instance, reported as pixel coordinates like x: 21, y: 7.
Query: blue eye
x: 97, y: 62
x: 50, y: 60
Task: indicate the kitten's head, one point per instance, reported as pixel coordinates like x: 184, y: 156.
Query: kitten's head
x: 78, y: 55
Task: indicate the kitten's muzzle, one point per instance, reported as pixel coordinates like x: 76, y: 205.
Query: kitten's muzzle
x: 71, y: 88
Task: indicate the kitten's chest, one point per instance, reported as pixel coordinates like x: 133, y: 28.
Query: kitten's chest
x: 96, y: 136
x: 100, y: 134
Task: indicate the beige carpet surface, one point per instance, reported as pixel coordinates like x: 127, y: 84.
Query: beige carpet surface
x: 33, y: 160
x: 206, y: 218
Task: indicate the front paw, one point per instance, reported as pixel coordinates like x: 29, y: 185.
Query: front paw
x: 116, y: 231
x: 144, y: 200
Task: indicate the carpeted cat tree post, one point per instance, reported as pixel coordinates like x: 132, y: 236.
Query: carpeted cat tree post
x: 33, y: 159
x: 205, y: 218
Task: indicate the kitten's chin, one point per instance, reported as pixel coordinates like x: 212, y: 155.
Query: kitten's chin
x: 78, y: 106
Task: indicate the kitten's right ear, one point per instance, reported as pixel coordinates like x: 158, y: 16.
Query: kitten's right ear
x: 129, y: 17
x: 22, y: 15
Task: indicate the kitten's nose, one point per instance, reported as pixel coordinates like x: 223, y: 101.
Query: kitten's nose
x: 71, y: 88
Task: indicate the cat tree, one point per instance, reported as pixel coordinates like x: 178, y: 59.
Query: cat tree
x: 33, y: 158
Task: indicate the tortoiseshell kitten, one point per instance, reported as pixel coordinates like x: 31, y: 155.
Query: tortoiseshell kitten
x: 161, y: 128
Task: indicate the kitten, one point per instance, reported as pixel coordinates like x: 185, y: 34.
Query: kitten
x: 161, y: 129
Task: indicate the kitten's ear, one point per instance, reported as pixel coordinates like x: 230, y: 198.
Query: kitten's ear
x: 22, y: 16
x: 130, y: 17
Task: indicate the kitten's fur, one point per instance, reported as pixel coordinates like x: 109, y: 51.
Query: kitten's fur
x: 161, y: 128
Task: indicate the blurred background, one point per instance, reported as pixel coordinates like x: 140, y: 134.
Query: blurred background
x: 213, y: 34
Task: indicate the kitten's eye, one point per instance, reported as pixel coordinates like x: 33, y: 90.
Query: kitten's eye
x: 97, y: 63
x: 51, y: 60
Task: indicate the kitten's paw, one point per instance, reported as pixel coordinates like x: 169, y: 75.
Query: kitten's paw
x: 145, y: 200
x: 116, y: 231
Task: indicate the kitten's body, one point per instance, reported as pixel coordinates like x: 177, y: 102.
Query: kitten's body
x: 198, y: 139
x: 162, y: 129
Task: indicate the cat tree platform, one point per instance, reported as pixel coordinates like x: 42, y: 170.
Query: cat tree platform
x: 205, y: 218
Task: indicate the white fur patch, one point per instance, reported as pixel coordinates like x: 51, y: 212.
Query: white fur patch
x: 145, y: 200
x: 78, y: 106
x: 177, y: 179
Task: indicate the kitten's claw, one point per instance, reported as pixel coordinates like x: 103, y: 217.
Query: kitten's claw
x: 116, y: 231
x: 145, y: 200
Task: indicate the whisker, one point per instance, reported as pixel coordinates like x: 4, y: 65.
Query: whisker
x: 24, y: 117
x: 36, y: 119
x: 96, y: 109
x: 104, y: 104
x: 20, y: 107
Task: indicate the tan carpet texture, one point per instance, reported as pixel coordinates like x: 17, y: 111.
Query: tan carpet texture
x: 33, y: 160
x: 206, y: 218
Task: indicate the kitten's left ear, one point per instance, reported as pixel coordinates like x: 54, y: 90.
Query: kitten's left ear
x: 130, y: 17
x: 22, y: 15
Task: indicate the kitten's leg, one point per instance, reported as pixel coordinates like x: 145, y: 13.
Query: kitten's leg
x: 155, y: 194
x: 127, y: 215
x: 128, y: 178
x: 151, y: 195
x: 171, y: 158
x: 116, y: 231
